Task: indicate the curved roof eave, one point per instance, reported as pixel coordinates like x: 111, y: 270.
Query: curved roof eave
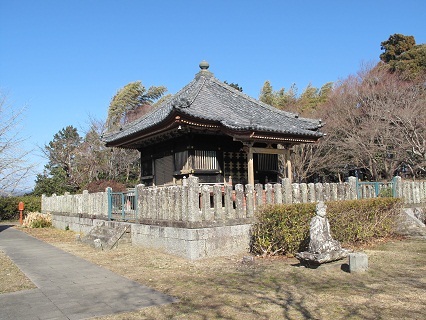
x: 209, y: 100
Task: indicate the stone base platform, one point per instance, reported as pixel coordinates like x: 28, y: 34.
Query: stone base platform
x: 320, y: 258
x: 188, y: 242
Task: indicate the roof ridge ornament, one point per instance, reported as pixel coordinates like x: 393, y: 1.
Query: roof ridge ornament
x: 204, y: 66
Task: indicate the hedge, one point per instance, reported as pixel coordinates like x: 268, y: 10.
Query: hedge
x: 284, y: 229
x: 9, y: 206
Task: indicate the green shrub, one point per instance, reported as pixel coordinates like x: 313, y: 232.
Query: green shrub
x: 9, y: 206
x: 281, y: 229
x: 284, y: 229
x: 359, y: 221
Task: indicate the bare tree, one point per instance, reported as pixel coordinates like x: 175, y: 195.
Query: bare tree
x: 318, y: 161
x: 410, y: 118
x: 15, y: 167
x: 377, y: 121
x: 97, y: 162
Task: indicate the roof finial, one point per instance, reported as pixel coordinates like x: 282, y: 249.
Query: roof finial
x: 204, y: 65
x: 204, y: 72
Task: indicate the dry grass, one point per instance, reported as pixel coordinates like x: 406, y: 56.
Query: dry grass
x: 11, y: 278
x: 225, y: 288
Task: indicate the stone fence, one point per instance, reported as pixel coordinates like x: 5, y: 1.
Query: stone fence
x: 91, y: 204
x: 197, y: 221
x: 413, y: 192
x: 198, y: 205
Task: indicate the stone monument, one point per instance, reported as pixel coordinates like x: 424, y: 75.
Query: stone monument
x: 322, y: 247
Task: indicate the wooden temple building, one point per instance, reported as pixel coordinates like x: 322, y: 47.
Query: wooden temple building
x: 213, y: 131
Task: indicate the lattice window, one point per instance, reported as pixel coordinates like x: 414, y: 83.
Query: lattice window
x: 205, y: 160
x: 267, y: 162
x: 235, y: 166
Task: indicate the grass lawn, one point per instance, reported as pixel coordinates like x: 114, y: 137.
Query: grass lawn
x: 394, y: 287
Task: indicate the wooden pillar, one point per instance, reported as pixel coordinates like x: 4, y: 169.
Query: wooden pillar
x: 288, y: 165
x: 250, y: 166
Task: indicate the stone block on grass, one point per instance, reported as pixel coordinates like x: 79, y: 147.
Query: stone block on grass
x: 358, y: 262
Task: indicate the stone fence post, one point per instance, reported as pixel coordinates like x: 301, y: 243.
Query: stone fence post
x: 194, y: 213
x: 54, y: 203
x: 353, y: 192
x: 108, y: 200
x: 85, y: 202
x: 287, y: 191
x: 250, y: 201
x: 139, y: 200
x: 43, y: 203
x: 397, y: 187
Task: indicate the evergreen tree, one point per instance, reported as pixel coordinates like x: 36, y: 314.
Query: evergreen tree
x: 267, y: 93
x: 305, y: 104
x: 402, y: 55
x: 396, y: 45
x: 60, y: 172
x: 312, y: 98
x: 286, y: 100
x: 234, y: 85
x: 52, y: 181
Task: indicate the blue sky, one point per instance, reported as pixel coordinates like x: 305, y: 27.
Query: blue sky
x: 64, y: 60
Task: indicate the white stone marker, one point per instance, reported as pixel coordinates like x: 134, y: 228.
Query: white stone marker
x: 358, y: 261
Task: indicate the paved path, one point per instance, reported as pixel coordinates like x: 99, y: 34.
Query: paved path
x: 68, y: 287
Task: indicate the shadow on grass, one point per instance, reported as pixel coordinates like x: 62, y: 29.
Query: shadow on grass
x: 281, y: 289
x: 257, y: 292
x: 245, y: 293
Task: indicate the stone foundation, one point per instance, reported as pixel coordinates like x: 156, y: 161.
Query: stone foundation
x: 189, y: 243
x: 194, y: 243
x: 80, y: 224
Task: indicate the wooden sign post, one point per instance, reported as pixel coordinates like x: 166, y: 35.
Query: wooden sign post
x: 20, y: 208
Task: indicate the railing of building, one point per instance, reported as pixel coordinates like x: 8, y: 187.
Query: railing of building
x: 371, y: 189
x: 122, y: 205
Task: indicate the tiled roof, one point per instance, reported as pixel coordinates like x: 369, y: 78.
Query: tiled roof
x: 207, y: 98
